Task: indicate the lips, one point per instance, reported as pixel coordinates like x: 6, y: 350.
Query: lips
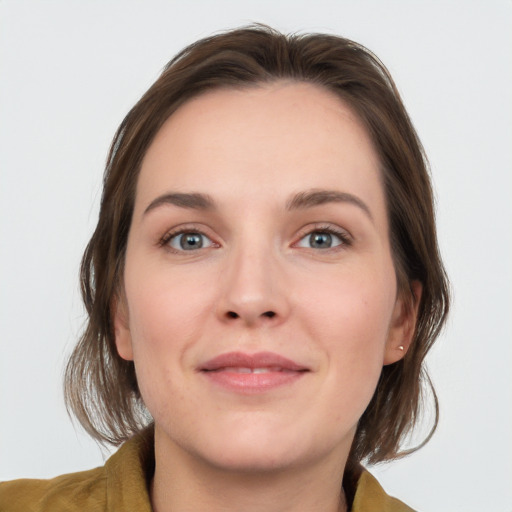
x: 252, y: 362
x: 252, y: 373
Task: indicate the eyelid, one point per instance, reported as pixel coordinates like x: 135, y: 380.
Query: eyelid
x: 182, y: 229
x: 322, y: 227
x: 341, y: 233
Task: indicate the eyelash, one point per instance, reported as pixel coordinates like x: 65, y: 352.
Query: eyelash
x: 343, y: 236
x: 164, y: 241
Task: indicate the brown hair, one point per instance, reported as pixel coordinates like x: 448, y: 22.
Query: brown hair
x: 101, y: 387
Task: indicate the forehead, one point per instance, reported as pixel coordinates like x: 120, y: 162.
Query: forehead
x: 268, y: 140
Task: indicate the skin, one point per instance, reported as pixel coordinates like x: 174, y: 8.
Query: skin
x: 333, y: 310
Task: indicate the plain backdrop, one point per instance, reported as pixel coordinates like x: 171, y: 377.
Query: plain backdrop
x: 69, y: 72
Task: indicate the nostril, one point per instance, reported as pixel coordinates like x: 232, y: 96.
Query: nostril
x: 268, y: 314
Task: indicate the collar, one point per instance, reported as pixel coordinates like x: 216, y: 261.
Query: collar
x: 130, y: 470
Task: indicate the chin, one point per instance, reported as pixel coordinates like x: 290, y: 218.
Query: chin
x: 246, y: 459
x: 257, y: 443
x: 259, y: 450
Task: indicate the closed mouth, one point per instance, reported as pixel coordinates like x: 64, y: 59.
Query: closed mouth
x: 251, y: 374
x: 252, y: 370
x: 260, y: 362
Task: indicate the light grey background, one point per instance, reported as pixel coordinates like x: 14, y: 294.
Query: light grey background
x: 69, y: 72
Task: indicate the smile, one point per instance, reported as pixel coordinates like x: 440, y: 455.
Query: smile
x: 252, y: 373
x: 251, y: 370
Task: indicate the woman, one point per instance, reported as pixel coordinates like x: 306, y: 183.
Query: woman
x: 263, y: 286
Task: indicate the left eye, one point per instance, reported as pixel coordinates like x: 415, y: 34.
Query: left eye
x: 189, y: 241
x: 320, y: 240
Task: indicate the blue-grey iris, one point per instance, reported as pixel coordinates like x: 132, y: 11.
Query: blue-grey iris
x: 320, y: 240
x: 190, y: 241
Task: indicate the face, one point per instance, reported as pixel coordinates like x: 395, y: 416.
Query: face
x: 260, y: 298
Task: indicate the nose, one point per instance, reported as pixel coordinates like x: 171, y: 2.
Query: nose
x: 253, y: 289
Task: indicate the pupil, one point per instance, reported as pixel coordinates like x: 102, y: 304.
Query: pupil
x: 320, y: 240
x: 191, y: 241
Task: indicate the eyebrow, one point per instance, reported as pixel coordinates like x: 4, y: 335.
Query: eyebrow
x: 299, y: 201
x: 314, y: 197
x: 193, y: 201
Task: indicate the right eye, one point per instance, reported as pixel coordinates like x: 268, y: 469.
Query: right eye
x: 188, y: 241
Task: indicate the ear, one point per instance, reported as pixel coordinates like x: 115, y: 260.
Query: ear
x: 122, y: 333
x: 403, y: 325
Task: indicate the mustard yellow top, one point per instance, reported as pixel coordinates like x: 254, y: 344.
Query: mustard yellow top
x: 122, y: 485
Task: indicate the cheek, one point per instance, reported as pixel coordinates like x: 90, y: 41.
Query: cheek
x: 166, y: 308
x: 356, y: 308
x: 350, y: 320
x: 167, y: 314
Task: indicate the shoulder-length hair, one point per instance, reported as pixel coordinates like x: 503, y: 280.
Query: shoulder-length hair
x: 101, y: 387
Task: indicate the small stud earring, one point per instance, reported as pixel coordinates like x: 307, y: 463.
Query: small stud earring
x: 400, y: 347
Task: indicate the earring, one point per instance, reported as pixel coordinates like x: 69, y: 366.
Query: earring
x: 401, y: 347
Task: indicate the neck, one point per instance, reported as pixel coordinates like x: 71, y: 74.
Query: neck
x: 183, y: 482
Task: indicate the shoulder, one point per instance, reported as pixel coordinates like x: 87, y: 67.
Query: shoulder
x: 371, y: 497
x: 81, y: 491
x: 121, y: 484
